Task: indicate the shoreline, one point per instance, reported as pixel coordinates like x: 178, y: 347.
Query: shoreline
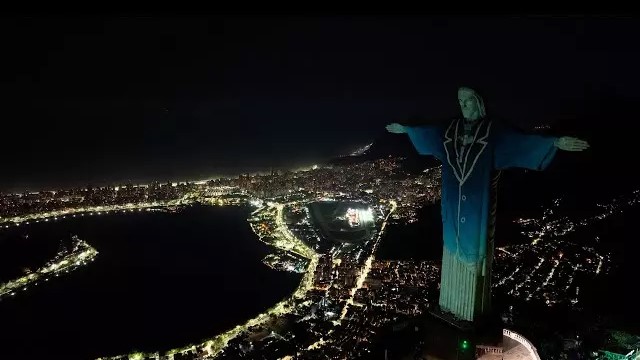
x: 71, y: 261
x: 93, y: 210
x: 216, y: 345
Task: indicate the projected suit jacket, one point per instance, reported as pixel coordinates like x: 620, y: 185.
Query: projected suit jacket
x: 467, y: 173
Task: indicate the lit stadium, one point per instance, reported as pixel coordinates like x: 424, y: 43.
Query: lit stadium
x: 357, y: 216
x: 343, y: 221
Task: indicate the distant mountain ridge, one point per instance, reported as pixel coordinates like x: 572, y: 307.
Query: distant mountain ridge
x: 389, y: 145
x: 607, y: 120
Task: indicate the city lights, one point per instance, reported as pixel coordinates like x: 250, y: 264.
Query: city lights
x: 62, y: 262
x: 345, y: 294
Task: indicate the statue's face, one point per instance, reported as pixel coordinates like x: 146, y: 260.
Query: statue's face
x: 468, y: 105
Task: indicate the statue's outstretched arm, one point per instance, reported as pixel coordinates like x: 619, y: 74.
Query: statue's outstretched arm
x: 426, y: 139
x: 396, y: 128
x: 516, y: 149
x: 568, y: 143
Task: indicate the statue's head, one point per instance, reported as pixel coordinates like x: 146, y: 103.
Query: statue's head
x: 471, y: 104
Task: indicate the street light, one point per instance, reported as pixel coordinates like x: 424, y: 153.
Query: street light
x: 464, y: 345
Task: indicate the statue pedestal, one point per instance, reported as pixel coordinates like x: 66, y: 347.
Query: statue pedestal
x: 439, y: 336
x: 487, y: 322
x: 450, y: 319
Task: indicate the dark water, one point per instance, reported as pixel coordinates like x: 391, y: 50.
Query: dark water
x: 160, y: 281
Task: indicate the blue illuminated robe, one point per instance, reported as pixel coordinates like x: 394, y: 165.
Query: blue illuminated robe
x: 466, y: 177
x: 469, y: 185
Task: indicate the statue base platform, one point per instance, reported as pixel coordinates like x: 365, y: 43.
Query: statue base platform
x: 438, y: 335
x: 448, y: 318
x: 487, y: 322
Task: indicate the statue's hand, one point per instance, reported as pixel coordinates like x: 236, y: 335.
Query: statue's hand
x: 396, y: 128
x: 568, y: 143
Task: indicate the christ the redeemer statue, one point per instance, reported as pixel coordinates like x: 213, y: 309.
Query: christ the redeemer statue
x: 473, y: 150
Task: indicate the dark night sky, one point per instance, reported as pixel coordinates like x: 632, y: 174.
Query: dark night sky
x: 95, y: 100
